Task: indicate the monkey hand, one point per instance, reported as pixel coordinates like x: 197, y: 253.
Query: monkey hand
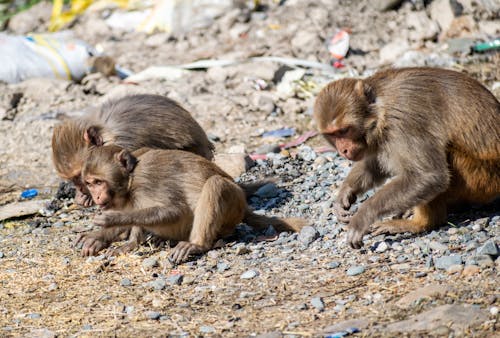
x: 91, y: 243
x: 105, y: 219
x: 345, y: 199
x: 357, y: 229
x: 83, y: 199
x: 183, y: 250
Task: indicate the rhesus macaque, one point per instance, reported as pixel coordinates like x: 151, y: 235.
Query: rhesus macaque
x: 131, y: 122
x: 436, y: 132
x: 174, y: 194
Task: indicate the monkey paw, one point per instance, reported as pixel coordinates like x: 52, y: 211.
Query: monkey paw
x: 342, y: 214
x: 123, y: 249
x: 183, y: 250
x: 90, y: 244
x: 355, y: 238
x: 104, y: 219
x: 83, y: 200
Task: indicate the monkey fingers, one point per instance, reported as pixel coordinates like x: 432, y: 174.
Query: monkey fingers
x: 183, y: 250
x: 342, y: 214
x: 91, y: 245
x: 83, y: 199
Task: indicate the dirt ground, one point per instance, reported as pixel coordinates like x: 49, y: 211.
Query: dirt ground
x: 271, y: 286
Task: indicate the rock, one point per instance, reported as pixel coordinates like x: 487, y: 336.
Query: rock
x: 41, y: 333
x: 333, y: 265
x: 23, y: 208
x: 249, y: 274
x: 429, y: 291
x: 176, y: 279
x: 150, y: 263
x: 307, y: 235
x: 456, y: 268
x: 317, y: 303
x: 355, y: 270
x: 384, y: 5
x: 463, y: 26
x: 421, y: 26
x: 125, y: 282
x: 491, y: 28
x: 34, y: 316
x: 222, y: 266
x: 52, y: 287
x: 445, y: 262
x: 458, y: 317
x: 471, y: 270
x: 274, y: 334
x: 234, y: 164
x: 157, y: 284
x: 483, y: 261
x: 1, y: 254
x: 206, y: 329
x: 382, y: 247
x: 268, y: 148
x: 438, y: 247
x: 494, y: 311
x: 442, y: 12
x: 153, y: 315
x: 268, y: 190
x: 34, y: 19
x: 489, y: 248
x: 391, y: 51
x: 345, y: 325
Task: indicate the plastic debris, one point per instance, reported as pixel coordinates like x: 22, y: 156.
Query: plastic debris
x: 487, y: 46
x: 29, y: 193
x: 282, y: 132
x: 340, y: 334
x: 338, y: 45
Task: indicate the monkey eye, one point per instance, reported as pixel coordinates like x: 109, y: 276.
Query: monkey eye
x: 98, y: 182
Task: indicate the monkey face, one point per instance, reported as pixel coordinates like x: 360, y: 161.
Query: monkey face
x: 100, y: 191
x: 347, y: 141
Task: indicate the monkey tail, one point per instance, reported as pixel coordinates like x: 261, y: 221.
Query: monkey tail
x: 251, y: 188
x: 261, y: 222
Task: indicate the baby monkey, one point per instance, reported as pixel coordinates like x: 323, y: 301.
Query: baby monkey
x: 174, y: 194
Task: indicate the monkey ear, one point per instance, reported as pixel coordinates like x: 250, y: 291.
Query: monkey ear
x: 363, y: 89
x: 127, y: 160
x: 92, y: 136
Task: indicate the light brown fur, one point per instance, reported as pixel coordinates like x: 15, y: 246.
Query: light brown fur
x: 435, y: 131
x: 174, y: 194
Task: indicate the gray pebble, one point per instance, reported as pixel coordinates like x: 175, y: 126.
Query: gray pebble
x: 445, y: 262
x: 34, y: 315
x: 471, y: 245
x: 382, y: 247
x: 481, y: 260
x: 153, y: 315
x: 317, y: 302
x: 438, y: 247
x: 206, y: 329
x: 333, y: 265
x: 268, y: 190
x: 158, y: 284
x: 1, y: 254
x: 150, y: 263
x: 58, y: 224
x: 222, y: 266
x: 307, y: 235
x: 488, y: 248
x: 125, y: 282
x: 176, y: 279
x: 87, y: 327
x: 249, y: 274
x: 52, y: 286
x: 355, y: 270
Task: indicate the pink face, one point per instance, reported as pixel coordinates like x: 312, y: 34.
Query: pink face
x: 344, y: 141
x: 99, y: 190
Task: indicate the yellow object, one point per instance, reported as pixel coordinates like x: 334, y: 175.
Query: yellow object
x: 59, y: 18
x: 40, y: 40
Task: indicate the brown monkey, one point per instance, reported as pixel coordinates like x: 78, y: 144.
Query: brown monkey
x: 174, y: 194
x: 131, y: 122
x: 436, y: 132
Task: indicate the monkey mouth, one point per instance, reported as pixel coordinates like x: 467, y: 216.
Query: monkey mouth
x: 104, y: 206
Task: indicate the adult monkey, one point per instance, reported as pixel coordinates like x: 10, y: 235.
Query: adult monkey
x: 132, y: 122
x: 436, y: 132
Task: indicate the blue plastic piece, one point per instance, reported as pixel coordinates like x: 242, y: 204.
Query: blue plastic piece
x: 283, y: 132
x: 341, y: 334
x: 29, y: 193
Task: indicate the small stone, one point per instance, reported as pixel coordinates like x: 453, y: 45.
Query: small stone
x: 420, y: 274
x: 1, y: 254
x: 445, y: 262
x: 481, y: 260
x: 438, y: 247
x: 52, y: 286
x: 153, y: 315
x: 222, y: 266
x: 452, y: 231
x: 206, y: 329
x: 307, y: 235
x: 242, y: 250
x: 58, y: 224
x: 125, y: 282
x: 249, y: 274
x: 494, y: 311
x: 150, y: 263
x: 355, y: 270
x: 176, y: 279
x: 268, y: 190
x: 34, y: 316
x: 317, y: 302
x: 268, y: 148
x: 382, y: 247
x: 470, y: 270
x: 333, y: 265
x: 455, y: 268
x: 87, y: 327
x: 158, y: 284
x: 489, y: 248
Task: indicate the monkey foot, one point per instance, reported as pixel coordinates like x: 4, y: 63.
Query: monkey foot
x: 183, y: 250
x: 90, y: 244
x: 342, y: 214
x: 395, y: 226
x: 355, y: 238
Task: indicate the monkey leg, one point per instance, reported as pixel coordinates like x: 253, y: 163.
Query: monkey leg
x: 425, y: 217
x: 135, y: 238
x: 221, y: 206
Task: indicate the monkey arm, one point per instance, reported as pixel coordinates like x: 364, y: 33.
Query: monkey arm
x: 140, y: 217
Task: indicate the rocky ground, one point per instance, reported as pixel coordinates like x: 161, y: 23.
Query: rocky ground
x: 442, y: 283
